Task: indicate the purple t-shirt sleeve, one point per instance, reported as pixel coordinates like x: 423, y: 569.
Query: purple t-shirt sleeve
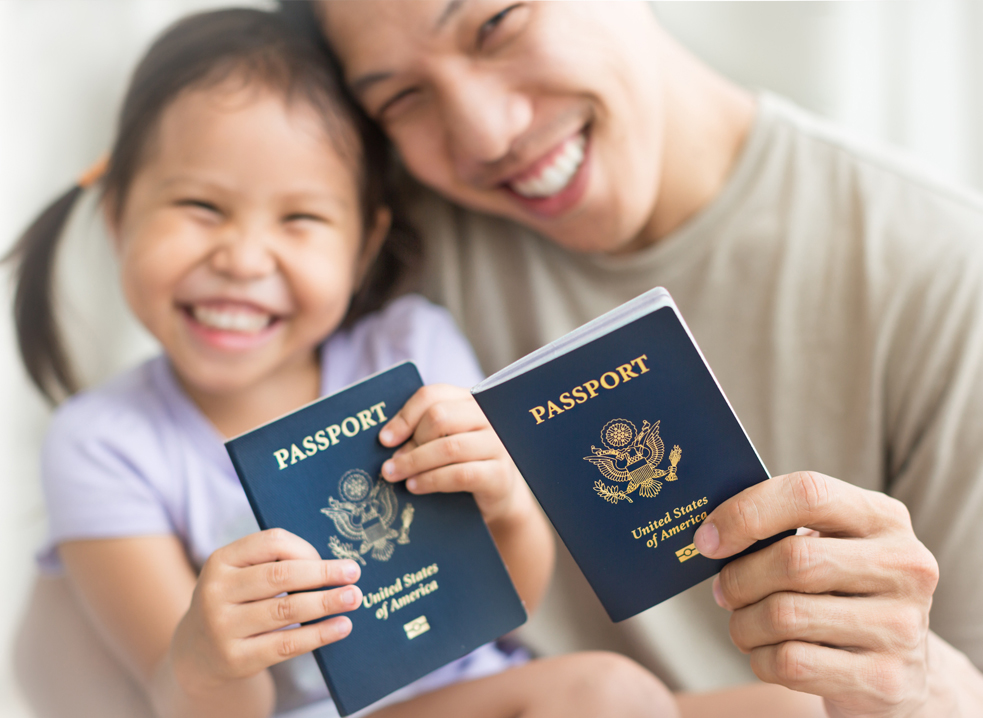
x: 411, y: 328
x: 440, y: 351
x: 97, y: 468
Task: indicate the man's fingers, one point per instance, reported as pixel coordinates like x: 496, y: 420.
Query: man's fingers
x: 862, y: 680
x: 271, y: 579
x: 808, y: 564
x: 264, y: 547
x: 275, y: 613
x: 402, y: 426
x: 787, y: 502
x: 841, y: 622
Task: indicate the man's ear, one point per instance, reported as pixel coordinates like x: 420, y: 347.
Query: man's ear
x: 374, y: 237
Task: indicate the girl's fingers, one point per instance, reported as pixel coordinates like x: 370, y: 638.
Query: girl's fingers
x: 263, y: 547
x: 450, y: 417
x: 272, y: 614
x: 270, y: 648
x: 445, y: 451
x: 255, y: 583
x: 402, y: 426
x: 853, y: 623
x: 808, y: 564
x: 475, y: 477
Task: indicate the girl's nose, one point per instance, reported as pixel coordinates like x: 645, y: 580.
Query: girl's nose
x: 483, y: 118
x: 243, y: 253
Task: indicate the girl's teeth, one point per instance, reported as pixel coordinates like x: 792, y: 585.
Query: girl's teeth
x: 231, y: 321
x: 557, y: 175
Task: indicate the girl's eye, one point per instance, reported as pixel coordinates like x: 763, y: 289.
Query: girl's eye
x: 300, y: 216
x: 199, y: 204
x: 499, y: 24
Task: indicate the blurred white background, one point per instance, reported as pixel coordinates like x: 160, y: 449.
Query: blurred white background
x: 907, y: 72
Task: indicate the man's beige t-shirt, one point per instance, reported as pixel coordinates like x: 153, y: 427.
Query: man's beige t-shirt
x: 838, y: 296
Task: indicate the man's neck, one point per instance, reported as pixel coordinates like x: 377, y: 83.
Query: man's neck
x: 707, y: 121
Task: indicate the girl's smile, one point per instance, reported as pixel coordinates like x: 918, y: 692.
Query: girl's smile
x: 240, y: 238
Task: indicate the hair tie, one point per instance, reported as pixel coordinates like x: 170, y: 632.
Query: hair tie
x: 94, y: 173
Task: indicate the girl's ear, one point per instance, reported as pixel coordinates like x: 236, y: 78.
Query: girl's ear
x: 374, y: 237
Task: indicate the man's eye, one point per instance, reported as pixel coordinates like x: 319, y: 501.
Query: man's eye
x: 492, y: 23
x: 394, y: 101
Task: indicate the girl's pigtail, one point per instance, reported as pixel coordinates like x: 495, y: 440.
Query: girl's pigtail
x: 38, y: 335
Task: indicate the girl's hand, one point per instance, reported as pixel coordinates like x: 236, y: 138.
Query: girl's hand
x: 233, y: 628
x: 841, y: 613
x: 451, y: 447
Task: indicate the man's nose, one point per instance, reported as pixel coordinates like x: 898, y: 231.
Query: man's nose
x: 483, y: 118
x: 243, y: 253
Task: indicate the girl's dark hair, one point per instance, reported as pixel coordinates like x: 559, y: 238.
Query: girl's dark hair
x: 251, y: 46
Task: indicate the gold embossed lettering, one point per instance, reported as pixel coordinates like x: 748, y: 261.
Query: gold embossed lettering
x: 333, y: 431
x: 614, y: 378
x: 638, y: 361
x: 353, y: 430
x: 365, y: 416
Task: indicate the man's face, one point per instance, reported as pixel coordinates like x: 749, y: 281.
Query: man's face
x: 547, y: 113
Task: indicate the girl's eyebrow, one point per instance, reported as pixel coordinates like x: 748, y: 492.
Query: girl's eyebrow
x: 300, y: 194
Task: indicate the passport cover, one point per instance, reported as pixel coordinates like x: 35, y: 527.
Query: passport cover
x: 434, y: 585
x: 628, y: 443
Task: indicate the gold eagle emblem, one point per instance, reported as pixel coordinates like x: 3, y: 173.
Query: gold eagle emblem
x: 632, y: 456
x: 366, y: 514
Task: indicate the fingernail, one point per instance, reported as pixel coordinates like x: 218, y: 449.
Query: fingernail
x: 388, y: 468
x: 351, y: 596
x: 707, y: 539
x: 411, y: 485
x: 718, y: 593
x: 343, y: 625
x: 386, y: 436
x: 352, y: 571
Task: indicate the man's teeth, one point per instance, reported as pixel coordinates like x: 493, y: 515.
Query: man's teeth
x: 558, y: 173
x: 227, y: 320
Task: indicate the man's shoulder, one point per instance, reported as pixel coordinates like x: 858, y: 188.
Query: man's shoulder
x: 846, y: 160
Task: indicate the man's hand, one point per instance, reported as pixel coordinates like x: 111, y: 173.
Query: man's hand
x: 841, y: 611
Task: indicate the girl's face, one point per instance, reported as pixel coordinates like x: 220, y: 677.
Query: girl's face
x: 241, y: 238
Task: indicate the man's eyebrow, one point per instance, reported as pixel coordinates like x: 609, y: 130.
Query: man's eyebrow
x: 452, y: 7
x: 360, y: 84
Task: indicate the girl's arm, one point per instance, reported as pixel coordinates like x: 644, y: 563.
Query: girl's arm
x: 450, y: 446
x: 200, y: 648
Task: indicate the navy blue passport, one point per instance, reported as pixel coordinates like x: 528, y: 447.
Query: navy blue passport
x: 628, y: 442
x: 434, y: 585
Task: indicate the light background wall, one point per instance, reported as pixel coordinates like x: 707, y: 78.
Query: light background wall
x: 906, y: 72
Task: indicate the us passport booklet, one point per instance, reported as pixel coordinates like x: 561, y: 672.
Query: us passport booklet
x: 628, y: 442
x: 434, y: 586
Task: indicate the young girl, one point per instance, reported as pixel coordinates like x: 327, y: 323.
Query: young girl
x: 245, y: 198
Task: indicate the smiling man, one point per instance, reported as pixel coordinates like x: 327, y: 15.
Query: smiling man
x: 576, y: 156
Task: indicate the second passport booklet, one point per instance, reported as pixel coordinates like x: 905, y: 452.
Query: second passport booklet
x: 434, y: 585
x: 628, y: 442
